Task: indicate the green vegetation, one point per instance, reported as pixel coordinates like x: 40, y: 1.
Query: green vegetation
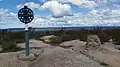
x: 8, y: 40
x: 9, y: 46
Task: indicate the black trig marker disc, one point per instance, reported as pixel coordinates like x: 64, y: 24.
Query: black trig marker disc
x: 25, y: 15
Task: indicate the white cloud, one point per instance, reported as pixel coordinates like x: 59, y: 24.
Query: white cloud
x: 84, y: 3
x: 91, y: 4
x: 10, y: 20
x: 105, y: 11
x: 96, y: 17
x: 13, y: 14
x: 19, y: 6
x: 31, y: 5
x: 116, y: 5
x: 76, y: 20
x: 3, y: 11
x: 117, y: 12
x: 102, y: 11
x: 81, y: 3
x: 42, y: 0
x: 57, y: 9
x: 87, y: 4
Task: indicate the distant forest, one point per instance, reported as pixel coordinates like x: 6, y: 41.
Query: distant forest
x: 8, y: 39
x: 104, y: 35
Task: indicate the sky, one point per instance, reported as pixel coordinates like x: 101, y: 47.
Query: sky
x: 61, y: 13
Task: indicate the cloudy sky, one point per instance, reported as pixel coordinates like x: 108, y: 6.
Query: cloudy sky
x: 62, y: 13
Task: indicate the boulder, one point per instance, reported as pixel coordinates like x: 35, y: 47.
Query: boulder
x: 93, y: 41
x: 111, y: 41
x: 51, y: 39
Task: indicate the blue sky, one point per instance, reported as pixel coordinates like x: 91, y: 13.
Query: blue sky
x: 62, y: 12
x: 11, y: 6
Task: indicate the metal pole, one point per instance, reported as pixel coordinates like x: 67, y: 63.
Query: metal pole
x: 27, y: 39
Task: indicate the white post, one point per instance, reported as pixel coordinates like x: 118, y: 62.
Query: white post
x: 26, y: 27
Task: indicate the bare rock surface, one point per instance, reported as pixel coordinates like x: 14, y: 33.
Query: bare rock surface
x: 60, y: 57
x: 110, y: 58
x: 107, y: 55
x: 11, y: 59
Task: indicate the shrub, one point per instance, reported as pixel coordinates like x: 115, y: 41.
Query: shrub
x: 10, y: 46
x: 65, y: 37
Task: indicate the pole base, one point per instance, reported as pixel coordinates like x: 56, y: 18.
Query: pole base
x: 25, y: 57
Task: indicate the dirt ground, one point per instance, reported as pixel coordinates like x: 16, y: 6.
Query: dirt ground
x: 108, y: 55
